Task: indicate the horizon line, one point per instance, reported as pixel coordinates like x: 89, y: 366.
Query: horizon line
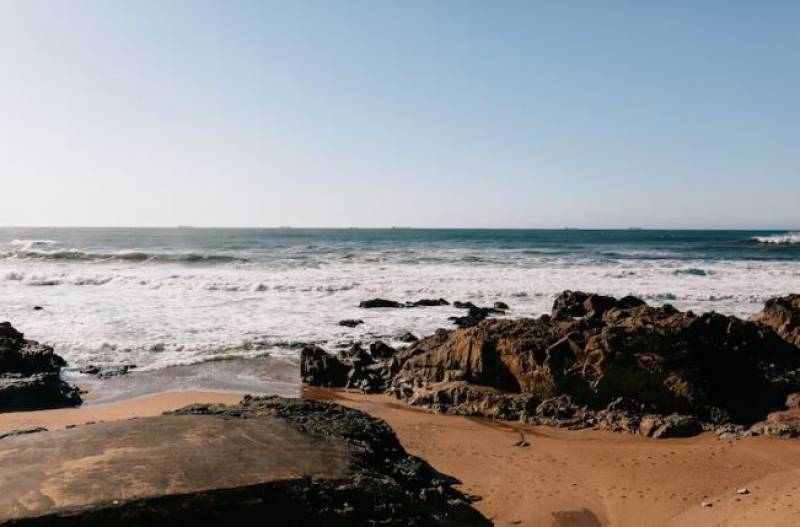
x: 394, y: 227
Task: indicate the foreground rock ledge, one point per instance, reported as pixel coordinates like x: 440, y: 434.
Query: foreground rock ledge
x: 291, y: 461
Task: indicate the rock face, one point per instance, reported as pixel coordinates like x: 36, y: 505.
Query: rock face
x: 29, y: 374
x: 598, y: 361
x: 783, y: 315
x: 295, y: 462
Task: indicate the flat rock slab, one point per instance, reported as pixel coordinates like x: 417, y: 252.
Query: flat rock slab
x: 294, y: 461
x: 176, y: 454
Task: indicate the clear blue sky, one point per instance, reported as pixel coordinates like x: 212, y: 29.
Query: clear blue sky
x: 378, y: 113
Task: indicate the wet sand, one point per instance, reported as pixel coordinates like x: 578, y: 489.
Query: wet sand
x: 590, y: 478
x: 145, y: 406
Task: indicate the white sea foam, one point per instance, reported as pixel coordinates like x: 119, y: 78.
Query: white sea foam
x: 175, y: 313
x: 789, y: 237
x: 30, y: 244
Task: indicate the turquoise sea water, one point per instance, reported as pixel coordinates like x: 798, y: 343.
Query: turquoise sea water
x: 328, y: 246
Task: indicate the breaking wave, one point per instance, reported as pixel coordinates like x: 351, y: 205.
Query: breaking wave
x: 75, y: 255
x: 779, y: 239
x: 30, y: 244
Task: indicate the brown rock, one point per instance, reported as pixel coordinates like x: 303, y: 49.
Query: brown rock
x: 783, y: 315
x: 597, y: 349
x: 319, y: 368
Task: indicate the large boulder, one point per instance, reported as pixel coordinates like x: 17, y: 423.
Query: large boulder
x: 783, y: 315
x: 319, y: 368
x: 30, y: 375
x: 25, y: 357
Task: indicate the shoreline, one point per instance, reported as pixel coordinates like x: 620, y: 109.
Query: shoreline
x: 130, y: 408
x: 562, y: 478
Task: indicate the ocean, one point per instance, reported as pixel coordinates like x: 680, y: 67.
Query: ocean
x: 166, y: 297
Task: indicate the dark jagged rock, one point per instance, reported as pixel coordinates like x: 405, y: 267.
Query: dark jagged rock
x: 25, y: 357
x: 674, y: 425
x: 783, y: 423
x: 107, y: 373
x: 616, y: 364
x: 463, y: 305
x: 380, y: 302
x: 475, y: 315
x: 354, y: 367
x: 319, y: 368
x: 91, y: 369
x: 607, y: 363
x: 381, y: 350
x: 429, y: 302
x: 38, y: 308
x: 501, y: 305
x: 30, y: 374
x: 783, y: 315
x: 570, y: 304
x: 350, y: 322
x: 355, y: 354
x: 408, y: 338
x: 286, y: 461
x: 36, y: 392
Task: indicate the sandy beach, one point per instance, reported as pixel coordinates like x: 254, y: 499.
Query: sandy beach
x: 560, y: 477
x: 589, y: 478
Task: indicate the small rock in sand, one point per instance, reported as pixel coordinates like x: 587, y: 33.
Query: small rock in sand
x: 742, y: 491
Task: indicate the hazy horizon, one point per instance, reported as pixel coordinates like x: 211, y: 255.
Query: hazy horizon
x: 399, y: 227
x: 362, y: 114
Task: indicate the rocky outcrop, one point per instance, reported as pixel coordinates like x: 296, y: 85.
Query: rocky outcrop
x: 30, y: 374
x: 598, y: 350
x: 355, y: 367
x: 783, y: 315
x: 291, y: 461
x: 602, y: 362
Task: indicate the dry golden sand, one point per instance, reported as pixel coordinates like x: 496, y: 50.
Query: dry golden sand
x: 589, y: 478
x: 563, y: 478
